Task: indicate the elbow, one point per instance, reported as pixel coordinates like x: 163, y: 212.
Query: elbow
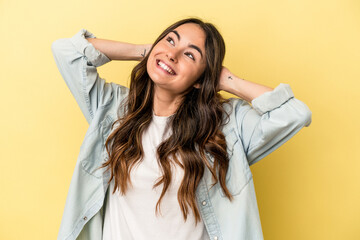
x: 305, y: 116
x: 60, y: 45
x: 56, y: 47
x: 301, y: 113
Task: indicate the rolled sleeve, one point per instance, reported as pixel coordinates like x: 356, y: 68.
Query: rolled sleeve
x: 77, y: 60
x: 94, y: 57
x: 273, y: 119
x: 273, y: 99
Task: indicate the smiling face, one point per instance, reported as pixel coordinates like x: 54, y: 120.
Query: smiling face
x: 178, y: 60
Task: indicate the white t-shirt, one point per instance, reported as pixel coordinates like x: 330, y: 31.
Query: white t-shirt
x: 132, y: 216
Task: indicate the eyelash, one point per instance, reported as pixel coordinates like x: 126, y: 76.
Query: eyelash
x: 170, y: 39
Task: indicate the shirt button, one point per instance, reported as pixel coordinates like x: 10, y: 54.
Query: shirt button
x: 204, y: 203
x: 85, y: 218
x: 215, y: 238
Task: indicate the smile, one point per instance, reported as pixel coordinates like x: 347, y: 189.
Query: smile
x: 165, y: 67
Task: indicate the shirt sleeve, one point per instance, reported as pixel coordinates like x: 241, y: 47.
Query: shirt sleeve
x: 77, y: 60
x: 273, y: 119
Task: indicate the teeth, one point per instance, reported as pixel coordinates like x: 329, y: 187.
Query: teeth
x: 163, y: 66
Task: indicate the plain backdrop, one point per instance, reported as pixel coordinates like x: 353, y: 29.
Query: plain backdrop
x: 307, y: 189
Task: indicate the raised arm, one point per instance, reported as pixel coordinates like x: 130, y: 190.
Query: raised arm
x: 77, y: 59
x: 242, y: 88
x: 116, y: 50
x: 273, y: 117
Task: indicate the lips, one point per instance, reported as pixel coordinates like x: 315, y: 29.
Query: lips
x: 165, y: 67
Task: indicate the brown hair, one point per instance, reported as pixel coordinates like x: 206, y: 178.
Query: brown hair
x: 196, y: 127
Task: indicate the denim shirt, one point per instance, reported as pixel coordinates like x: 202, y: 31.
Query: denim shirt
x: 252, y: 132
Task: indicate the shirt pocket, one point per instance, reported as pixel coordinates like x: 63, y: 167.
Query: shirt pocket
x: 96, y: 150
x: 239, y: 173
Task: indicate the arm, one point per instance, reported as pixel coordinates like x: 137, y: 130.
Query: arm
x: 77, y: 60
x: 240, y: 87
x: 274, y: 117
x: 116, y: 50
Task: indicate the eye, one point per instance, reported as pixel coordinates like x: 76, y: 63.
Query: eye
x: 190, y: 55
x: 169, y: 39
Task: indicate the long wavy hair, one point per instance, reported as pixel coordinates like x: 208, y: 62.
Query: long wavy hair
x: 196, y: 128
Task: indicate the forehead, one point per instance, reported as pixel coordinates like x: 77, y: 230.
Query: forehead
x: 191, y: 33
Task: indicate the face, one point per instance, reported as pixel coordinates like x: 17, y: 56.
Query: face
x: 178, y: 60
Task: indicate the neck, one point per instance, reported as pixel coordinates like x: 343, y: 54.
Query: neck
x: 165, y: 103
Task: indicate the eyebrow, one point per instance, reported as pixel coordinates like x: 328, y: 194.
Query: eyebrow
x: 190, y: 45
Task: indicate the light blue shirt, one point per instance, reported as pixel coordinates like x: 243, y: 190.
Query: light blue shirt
x: 252, y: 133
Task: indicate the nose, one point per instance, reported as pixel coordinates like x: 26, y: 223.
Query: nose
x: 172, y: 55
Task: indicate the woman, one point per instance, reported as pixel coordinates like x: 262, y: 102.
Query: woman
x: 175, y: 154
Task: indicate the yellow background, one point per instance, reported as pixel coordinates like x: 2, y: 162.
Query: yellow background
x: 307, y: 189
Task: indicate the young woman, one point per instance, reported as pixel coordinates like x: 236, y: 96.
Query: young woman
x: 169, y: 158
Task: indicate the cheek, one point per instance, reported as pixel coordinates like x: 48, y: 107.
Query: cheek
x: 150, y: 63
x: 197, y: 72
x: 192, y: 76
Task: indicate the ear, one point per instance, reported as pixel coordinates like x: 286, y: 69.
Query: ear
x: 197, y: 85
